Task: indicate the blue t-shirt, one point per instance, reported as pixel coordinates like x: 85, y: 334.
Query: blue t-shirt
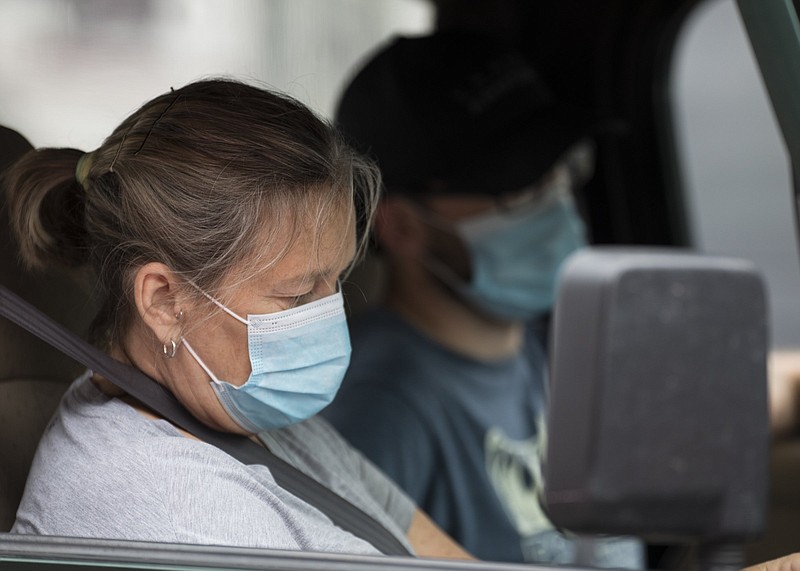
x: 462, y: 437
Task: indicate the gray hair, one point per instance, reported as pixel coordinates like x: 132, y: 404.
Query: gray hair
x: 191, y: 180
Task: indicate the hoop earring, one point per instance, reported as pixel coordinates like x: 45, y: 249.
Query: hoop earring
x: 170, y: 349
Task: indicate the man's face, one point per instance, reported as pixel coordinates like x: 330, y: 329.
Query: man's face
x: 445, y: 212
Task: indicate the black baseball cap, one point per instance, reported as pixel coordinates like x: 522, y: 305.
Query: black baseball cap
x: 459, y: 109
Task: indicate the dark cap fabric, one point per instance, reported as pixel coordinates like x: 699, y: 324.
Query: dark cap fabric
x: 459, y: 109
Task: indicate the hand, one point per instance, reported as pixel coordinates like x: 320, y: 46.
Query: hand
x: 428, y: 540
x: 784, y: 392
x: 788, y: 563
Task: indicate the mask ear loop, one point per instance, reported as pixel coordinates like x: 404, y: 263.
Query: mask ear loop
x: 219, y: 304
x: 189, y: 347
x: 225, y: 309
x: 199, y: 360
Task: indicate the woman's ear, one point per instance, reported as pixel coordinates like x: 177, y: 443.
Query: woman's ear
x: 156, y: 293
x: 399, y: 228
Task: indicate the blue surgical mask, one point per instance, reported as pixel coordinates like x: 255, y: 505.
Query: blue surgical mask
x: 298, y: 358
x: 515, y: 256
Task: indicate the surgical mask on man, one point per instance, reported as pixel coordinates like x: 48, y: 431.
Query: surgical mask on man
x: 298, y: 358
x: 516, y: 254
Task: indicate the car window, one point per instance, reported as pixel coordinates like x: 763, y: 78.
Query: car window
x: 735, y: 167
x: 56, y: 553
x: 80, y: 66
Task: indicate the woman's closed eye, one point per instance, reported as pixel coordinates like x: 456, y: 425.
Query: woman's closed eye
x: 293, y: 300
x: 323, y: 287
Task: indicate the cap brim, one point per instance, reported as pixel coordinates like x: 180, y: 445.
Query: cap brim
x: 509, y: 161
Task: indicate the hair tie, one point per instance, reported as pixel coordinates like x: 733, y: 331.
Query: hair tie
x: 82, y: 169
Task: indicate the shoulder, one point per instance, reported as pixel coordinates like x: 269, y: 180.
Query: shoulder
x: 103, y: 470
x: 312, y: 437
x: 169, y: 488
x: 391, y: 354
x: 381, y: 326
x: 397, y: 382
x: 399, y: 435
x: 317, y: 449
x: 89, y: 488
x: 396, y: 408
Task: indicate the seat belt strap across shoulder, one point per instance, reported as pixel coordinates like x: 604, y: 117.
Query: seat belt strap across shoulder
x: 343, y: 513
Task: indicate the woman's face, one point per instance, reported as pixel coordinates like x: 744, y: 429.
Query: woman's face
x: 308, y: 271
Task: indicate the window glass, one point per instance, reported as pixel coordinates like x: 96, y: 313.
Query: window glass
x: 735, y: 165
x: 70, y: 70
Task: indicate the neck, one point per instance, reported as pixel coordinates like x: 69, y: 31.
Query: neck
x: 119, y: 353
x: 430, y: 307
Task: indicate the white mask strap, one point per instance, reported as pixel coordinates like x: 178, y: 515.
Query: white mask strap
x: 219, y: 304
x: 199, y: 360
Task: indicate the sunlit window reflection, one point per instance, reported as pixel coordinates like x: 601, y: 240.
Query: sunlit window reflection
x: 70, y: 70
x: 733, y: 158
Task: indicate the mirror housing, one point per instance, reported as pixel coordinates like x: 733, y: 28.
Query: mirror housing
x: 658, y: 416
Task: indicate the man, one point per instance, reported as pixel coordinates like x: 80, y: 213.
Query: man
x: 447, y: 387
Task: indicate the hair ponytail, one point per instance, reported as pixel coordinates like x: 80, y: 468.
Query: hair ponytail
x: 46, y: 208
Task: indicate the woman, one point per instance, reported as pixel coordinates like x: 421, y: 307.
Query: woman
x: 218, y: 219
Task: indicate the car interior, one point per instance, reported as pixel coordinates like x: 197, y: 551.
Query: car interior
x: 613, y: 57
x: 33, y: 374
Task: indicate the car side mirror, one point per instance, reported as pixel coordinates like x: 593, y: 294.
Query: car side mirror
x: 658, y: 415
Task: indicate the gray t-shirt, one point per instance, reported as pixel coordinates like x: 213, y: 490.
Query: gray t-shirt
x: 103, y: 470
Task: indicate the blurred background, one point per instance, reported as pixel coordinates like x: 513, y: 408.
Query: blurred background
x: 70, y: 70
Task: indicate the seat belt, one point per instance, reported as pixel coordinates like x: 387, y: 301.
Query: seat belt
x: 342, y: 512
